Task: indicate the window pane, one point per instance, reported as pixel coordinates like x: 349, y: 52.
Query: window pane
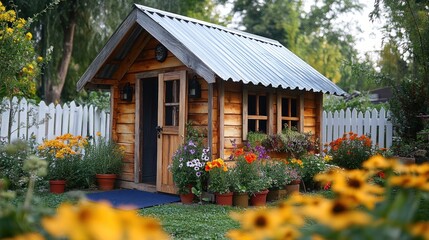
x: 251, y: 104
x: 263, y: 105
x: 294, y: 108
x: 171, y: 116
x: 285, y: 107
x: 251, y: 125
x: 172, y: 91
x: 285, y: 124
x: 294, y: 125
x: 262, y: 126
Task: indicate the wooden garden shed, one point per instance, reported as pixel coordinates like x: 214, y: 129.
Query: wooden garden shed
x: 164, y: 70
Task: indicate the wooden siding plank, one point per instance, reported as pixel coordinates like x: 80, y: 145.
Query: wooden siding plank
x: 127, y: 117
x: 233, y: 120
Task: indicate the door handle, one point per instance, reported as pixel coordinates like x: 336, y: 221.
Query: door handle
x: 158, y: 131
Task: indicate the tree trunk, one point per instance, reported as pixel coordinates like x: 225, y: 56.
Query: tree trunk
x: 54, y: 90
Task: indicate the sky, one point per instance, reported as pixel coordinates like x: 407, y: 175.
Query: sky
x: 369, y: 40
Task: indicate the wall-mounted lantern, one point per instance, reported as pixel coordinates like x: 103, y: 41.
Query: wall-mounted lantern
x: 127, y: 93
x: 194, y: 88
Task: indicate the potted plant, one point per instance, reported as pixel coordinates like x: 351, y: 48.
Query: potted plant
x: 105, y: 159
x: 293, y: 180
x: 64, y: 156
x: 275, y: 169
x: 289, y: 143
x: 238, y: 185
x: 188, y: 165
x: 219, y: 181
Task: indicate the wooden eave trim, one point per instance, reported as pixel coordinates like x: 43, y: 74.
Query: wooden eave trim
x: 135, y: 51
x: 105, y: 52
x: 186, y: 56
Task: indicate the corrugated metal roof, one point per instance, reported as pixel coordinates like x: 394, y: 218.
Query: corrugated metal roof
x: 240, y: 56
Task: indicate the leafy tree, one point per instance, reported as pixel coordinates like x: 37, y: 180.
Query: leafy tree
x: 407, y: 24
x: 19, y: 63
x: 405, y: 59
x: 88, y: 25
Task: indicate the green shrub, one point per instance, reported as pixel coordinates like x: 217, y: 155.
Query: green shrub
x: 12, y: 157
x: 350, y: 151
x: 312, y: 165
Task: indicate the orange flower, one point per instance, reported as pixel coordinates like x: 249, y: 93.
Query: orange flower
x: 238, y: 152
x: 250, y: 157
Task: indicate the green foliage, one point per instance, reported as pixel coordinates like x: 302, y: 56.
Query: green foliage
x: 188, y: 162
x: 64, y: 157
x: 407, y: 25
x: 278, y: 172
x: 290, y: 141
x: 103, y: 156
x: 219, y: 177
x: 409, y: 100
x: 16, y: 220
x: 350, y: 151
x: 255, y: 138
x: 361, y: 103
x: 312, y: 165
x: 12, y: 158
x: 249, y: 173
x: 19, y: 63
x: 97, y: 98
x: 187, y: 221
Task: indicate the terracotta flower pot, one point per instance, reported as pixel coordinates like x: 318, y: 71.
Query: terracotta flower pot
x: 187, y: 198
x: 293, y: 187
x: 224, y: 199
x: 240, y: 200
x: 276, y: 194
x: 259, y: 198
x: 57, y: 186
x: 105, y: 181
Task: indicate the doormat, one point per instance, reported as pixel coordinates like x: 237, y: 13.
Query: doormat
x: 132, y: 199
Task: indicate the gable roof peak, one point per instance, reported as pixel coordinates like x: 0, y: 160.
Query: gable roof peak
x: 207, y: 24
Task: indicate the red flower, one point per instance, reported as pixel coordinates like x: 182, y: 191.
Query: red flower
x: 238, y: 152
x: 327, y: 186
x: 250, y: 157
x: 381, y: 174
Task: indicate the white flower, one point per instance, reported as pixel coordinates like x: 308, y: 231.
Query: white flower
x: 180, y: 165
x: 196, y: 168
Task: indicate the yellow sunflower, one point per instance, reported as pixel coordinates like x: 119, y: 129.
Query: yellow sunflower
x: 354, y: 184
x: 420, y: 229
x: 262, y: 223
x: 338, y: 214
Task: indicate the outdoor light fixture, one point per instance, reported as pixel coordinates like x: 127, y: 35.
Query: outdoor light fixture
x: 194, y: 88
x: 127, y: 93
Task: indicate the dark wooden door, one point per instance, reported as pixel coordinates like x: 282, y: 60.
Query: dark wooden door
x: 149, y: 115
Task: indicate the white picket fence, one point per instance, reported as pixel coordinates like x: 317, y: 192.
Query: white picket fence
x: 22, y: 119
x: 375, y: 124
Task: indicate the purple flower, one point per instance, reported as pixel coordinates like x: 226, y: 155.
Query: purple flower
x: 192, y: 151
x: 191, y: 143
x: 180, y: 159
x: 198, y: 174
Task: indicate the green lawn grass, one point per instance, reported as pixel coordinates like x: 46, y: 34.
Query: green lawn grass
x: 207, y: 221
x: 194, y: 221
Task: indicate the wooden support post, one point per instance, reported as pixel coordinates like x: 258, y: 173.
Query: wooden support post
x: 210, y: 120
x: 137, y: 131
x: 221, y: 96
